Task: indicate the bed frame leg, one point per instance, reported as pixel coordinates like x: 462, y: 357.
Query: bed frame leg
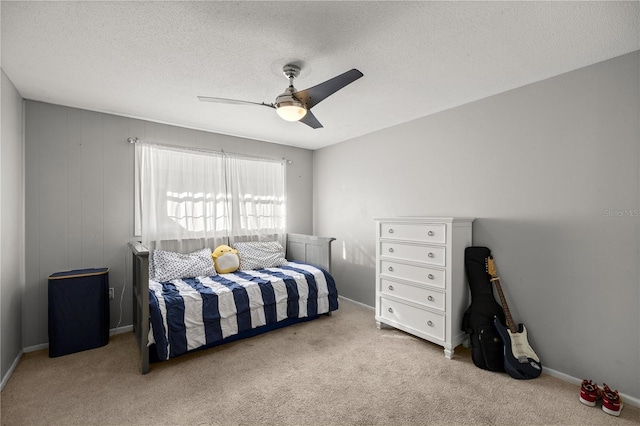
x: 144, y: 369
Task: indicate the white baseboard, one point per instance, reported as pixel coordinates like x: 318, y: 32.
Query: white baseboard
x: 356, y: 303
x: 35, y: 348
x: 6, y: 377
x: 112, y: 332
x: 120, y: 330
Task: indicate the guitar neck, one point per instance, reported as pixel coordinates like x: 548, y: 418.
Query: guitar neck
x: 507, y: 314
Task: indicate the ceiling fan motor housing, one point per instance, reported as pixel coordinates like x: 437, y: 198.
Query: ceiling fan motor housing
x: 289, y: 107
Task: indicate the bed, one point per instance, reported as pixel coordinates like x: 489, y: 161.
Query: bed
x: 171, y: 318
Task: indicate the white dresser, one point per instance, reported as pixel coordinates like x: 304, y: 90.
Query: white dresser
x: 420, y: 280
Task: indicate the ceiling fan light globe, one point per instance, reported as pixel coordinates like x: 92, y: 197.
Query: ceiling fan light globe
x: 291, y: 112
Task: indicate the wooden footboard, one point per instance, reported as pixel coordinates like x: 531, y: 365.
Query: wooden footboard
x: 303, y: 248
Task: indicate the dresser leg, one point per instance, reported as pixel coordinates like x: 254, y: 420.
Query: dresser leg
x: 378, y: 325
x: 448, y: 353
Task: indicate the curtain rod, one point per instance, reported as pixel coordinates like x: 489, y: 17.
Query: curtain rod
x: 135, y: 140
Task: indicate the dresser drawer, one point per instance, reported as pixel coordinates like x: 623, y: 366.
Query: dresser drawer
x: 434, y: 255
x: 423, y: 232
x: 425, y: 296
x: 420, y: 320
x: 419, y: 274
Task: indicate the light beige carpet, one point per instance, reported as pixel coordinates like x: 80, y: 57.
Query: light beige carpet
x: 337, y: 370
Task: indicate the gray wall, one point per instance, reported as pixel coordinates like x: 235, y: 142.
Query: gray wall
x: 11, y: 226
x: 551, y: 172
x: 79, y: 196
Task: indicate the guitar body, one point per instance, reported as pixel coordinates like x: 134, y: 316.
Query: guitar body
x: 520, y: 360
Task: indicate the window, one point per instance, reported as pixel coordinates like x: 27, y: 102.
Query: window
x: 187, y: 199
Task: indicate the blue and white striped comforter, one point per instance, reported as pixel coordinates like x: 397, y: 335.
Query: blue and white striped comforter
x: 190, y: 313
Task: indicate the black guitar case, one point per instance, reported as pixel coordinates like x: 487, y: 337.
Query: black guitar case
x: 487, y: 348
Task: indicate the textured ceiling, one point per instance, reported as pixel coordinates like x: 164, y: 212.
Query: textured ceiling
x: 151, y: 59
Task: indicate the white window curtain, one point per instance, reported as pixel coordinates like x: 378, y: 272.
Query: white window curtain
x: 189, y: 199
x: 255, y: 196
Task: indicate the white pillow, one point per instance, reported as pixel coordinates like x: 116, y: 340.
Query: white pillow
x: 169, y: 265
x: 260, y: 254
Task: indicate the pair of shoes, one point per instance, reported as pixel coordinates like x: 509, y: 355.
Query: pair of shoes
x: 611, y: 402
x: 590, y: 393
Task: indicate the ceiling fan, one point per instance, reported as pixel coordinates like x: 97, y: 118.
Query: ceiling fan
x: 293, y: 105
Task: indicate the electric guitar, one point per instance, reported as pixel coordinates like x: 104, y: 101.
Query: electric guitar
x: 520, y: 360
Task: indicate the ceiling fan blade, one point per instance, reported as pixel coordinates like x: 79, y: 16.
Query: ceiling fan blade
x: 232, y: 101
x: 310, y: 120
x: 316, y: 94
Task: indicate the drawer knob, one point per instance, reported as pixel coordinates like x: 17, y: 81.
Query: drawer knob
x: 391, y: 310
x: 430, y: 323
x: 430, y: 276
x: 391, y: 287
x: 430, y: 233
x: 390, y: 249
x: 431, y: 255
x: 390, y: 268
x: 391, y: 230
x: 430, y: 298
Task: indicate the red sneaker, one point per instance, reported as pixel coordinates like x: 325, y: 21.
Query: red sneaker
x: 611, y: 402
x: 589, y: 393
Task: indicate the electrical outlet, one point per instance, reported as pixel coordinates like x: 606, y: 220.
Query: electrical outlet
x: 112, y: 293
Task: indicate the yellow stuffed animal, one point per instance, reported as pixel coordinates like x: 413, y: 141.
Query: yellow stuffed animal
x: 225, y: 259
